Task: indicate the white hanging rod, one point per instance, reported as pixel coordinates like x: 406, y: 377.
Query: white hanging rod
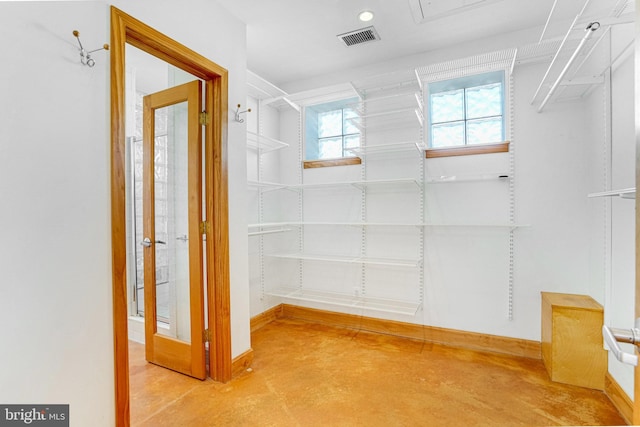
x: 588, y: 32
x: 555, y: 57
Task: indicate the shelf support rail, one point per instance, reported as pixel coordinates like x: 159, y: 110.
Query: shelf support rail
x: 593, y: 26
x: 544, y: 30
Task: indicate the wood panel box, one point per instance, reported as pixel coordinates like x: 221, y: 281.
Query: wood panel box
x: 572, y: 345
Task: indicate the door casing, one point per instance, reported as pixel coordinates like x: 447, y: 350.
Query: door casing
x: 126, y: 29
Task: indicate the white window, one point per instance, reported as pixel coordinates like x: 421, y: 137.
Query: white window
x: 329, y: 130
x: 467, y: 111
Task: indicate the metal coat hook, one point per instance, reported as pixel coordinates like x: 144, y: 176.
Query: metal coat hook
x: 238, y: 112
x: 85, y: 57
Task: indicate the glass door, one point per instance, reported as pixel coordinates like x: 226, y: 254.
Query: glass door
x: 172, y: 239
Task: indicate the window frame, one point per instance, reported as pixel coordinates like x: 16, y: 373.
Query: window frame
x: 311, y: 135
x: 470, y: 149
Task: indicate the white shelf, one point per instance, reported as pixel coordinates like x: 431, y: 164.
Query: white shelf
x: 379, y: 85
x: 366, y: 303
x: 360, y: 184
x: 396, y: 147
x: 263, y: 143
x: 486, y: 225
x: 386, y: 224
x: 449, y: 179
x: 259, y: 88
x: 625, y: 193
x: 265, y: 185
x: 272, y: 231
x: 393, y: 119
x: 390, y: 262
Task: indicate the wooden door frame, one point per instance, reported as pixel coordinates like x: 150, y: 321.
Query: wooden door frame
x: 126, y: 29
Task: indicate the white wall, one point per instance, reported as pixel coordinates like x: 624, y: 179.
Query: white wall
x: 55, y: 251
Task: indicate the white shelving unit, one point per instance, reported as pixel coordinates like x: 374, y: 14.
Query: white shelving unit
x: 381, y: 109
x: 391, y: 120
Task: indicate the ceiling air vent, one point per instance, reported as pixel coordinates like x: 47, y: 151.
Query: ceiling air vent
x: 363, y: 35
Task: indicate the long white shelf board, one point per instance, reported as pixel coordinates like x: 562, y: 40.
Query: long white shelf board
x: 391, y: 262
x: 386, y: 224
x: 360, y: 184
x: 625, y: 193
x: 271, y: 231
x: 365, y: 303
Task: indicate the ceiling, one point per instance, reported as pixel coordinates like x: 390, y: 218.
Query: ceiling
x: 295, y: 40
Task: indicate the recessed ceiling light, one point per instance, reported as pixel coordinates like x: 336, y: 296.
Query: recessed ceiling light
x: 365, y: 16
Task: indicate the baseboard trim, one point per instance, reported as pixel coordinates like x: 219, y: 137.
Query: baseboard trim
x: 448, y: 337
x: 618, y: 397
x: 241, y: 363
x: 266, y: 317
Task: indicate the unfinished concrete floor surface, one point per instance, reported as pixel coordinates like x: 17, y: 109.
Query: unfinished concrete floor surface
x: 306, y: 374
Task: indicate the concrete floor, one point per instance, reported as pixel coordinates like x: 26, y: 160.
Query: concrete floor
x: 306, y: 374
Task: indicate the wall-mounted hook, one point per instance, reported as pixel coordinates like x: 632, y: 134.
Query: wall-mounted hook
x: 85, y: 57
x: 238, y: 112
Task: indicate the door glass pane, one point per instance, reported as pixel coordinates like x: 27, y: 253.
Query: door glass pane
x: 171, y: 221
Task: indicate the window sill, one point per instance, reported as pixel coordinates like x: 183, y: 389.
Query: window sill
x: 467, y: 150
x: 309, y: 164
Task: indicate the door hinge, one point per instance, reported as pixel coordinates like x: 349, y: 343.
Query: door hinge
x: 204, y: 227
x: 205, y: 118
x: 206, y: 335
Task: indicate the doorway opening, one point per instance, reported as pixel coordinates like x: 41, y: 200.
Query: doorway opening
x: 173, y: 223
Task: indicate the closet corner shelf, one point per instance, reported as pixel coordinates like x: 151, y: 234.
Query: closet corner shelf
x: 625, y: 193
x: 263, y: 143
x: 268, y: 228
x: 343, y: 300
x: 390, y: 262
x: 271, y: 231
x: 265, y: 185
x: 451, y: 179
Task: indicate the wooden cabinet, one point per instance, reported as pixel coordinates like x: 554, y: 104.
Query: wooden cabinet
x: 572, y: 348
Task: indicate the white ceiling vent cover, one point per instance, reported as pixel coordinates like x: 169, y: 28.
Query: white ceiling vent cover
x: 363, y: 35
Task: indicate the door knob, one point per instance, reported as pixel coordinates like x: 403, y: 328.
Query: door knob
x: 146, y: 242
x: 612, y: 336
